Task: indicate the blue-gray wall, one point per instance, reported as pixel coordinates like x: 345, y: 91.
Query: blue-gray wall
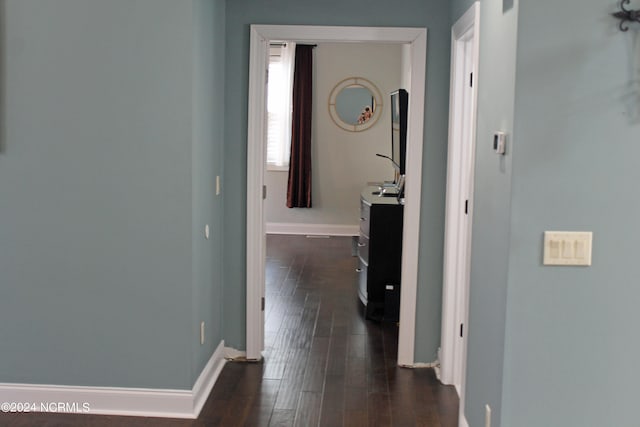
x: 99, y: 192
x: 207, y: 158
x: 554, y: 346
x: 458, y: 8
x: 571, y: 346
x: 433, y: 14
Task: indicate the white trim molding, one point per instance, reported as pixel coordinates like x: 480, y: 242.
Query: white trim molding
x: 413, y: 194
x: 416, y: 40
x: 312, y: 229
x: 459, y: 186
x: 256, y: 160
x: 465, y: 47
x: 141, y: 402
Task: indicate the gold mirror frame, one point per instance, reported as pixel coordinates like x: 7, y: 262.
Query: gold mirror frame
x: 377, y: 110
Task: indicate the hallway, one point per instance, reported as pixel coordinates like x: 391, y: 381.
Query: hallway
x: 329, y: 364
x: 323, y: 363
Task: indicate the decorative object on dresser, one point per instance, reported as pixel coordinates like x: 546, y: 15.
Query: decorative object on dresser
x: 380, y: 254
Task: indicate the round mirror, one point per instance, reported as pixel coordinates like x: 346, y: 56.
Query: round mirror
x: 355, y: 104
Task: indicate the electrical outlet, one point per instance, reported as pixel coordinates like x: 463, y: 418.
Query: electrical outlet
x: 201, y: 333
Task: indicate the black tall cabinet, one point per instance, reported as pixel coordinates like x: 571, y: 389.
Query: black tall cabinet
x: 380, y: 255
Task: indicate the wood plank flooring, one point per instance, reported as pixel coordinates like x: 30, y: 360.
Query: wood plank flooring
x: 324, y: 364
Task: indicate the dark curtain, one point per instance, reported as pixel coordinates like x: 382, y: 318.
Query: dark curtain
x: 299, y: 185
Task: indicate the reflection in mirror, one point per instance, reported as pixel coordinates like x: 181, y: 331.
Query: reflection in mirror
x: 355, y: 104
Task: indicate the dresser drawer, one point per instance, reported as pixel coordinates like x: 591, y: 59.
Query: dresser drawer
x: 365, y: 217
x: 362, y: 282
x: 363, y: 248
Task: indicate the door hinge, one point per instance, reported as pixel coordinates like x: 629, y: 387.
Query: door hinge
x: 470, y: 79
x: 461, y: 330
x: 262, y: 304
x: 264, y: 192
x: 466, y: 207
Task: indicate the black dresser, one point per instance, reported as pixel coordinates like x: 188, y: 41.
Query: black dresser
x: 380, y: 255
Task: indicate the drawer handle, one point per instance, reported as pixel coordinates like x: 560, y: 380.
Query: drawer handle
x: 361, y: 245
x: 358, y: 270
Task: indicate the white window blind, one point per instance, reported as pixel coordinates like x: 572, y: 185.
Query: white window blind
x: 279, y: 106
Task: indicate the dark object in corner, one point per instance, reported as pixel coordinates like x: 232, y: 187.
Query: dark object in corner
x: 626, y: 15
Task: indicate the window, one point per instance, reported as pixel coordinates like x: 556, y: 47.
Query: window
x: 279, y: 93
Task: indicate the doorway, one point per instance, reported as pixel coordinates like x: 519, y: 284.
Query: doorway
x: 416, y: 40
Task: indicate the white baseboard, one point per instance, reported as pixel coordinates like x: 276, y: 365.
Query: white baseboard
x: 166, y: 403
x: 207, y: 379
x: 312, y: 229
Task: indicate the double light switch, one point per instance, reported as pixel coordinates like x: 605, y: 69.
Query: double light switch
x: 567, y: 247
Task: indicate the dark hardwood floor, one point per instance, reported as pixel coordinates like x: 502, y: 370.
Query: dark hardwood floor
x: 324, y: 364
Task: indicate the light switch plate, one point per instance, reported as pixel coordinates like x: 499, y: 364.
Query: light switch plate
x: 567, y: 248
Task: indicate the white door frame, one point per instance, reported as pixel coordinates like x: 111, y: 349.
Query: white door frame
x: 460, y: 178
x: 416, y: 38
